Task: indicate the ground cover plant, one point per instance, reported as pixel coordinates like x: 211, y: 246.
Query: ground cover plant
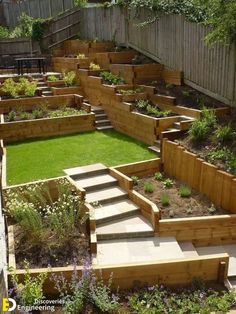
x: 146, y: 107
x: 46, y: 158
x: 42, y: 112
x: 186, y: 96
x: 21, y: 88
x: 111, y: 79
x: 214, y: 139
x: 48, y: 230
x: 175, y: 199
x: 130, y: 91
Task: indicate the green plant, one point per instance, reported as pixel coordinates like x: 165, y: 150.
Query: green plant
x: 81, y: 56
x: 148, y: 187
x: 156, y: 112
x: 80, y: 3
x: 52, y: 78
x: 185, y: 191
x: 65, y: 111
x: 185, y: 93
x: 135, y: 180
x: 31, y: 289
x: 142, y: 104
x: 129, y: 91
x: 94, y: 67
x: 158, y: 176
x: 199, y: 130
x: 111, y: 79
x: 11, y: 116
x: 70, y: 78
x: 37, y: 114
x: 225, y: 133
x: 165, y: 199
x: 168, y: 183
x: 4, y: 32
x: 10, y: 88
x: 169, y: 86
x: 209, y: 117
x: 25, y: 116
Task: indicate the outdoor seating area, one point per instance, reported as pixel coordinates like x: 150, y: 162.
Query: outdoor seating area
x: 117, y: 162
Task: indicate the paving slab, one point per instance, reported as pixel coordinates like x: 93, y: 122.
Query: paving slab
x: 188, y: 249
x: 105, y: 194
x: 230, y: 249
x: 129, y: 251
x: 95, y: 180
x: 84, y: 169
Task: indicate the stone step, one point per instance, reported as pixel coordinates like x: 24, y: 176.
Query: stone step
x: 97, y: 110
x: 185, y: 118
x: 131, y: 227
x: 41, y: 83
x: 155, y: 149
x: 105, y: 196
x: 97, y: 182
x: 188, y: 249
x: 138, y: 250
x: 47, y: 93
x: 102, y: 123
x: 115, y: 210
x: 44, y: 88
x: 232, y: 282
x: 86, y: 171
x: 103, y: 128
x: 100, y: 116
x: 176, y: 125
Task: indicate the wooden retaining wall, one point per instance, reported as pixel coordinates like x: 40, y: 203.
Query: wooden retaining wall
x: 217, y: 185
x: 173, y: 272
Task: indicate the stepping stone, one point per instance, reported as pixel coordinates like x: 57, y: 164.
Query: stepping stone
x: 106, y: 195
x: 129, y: 251
x: 136, y: 226
x: 86, y: 171
x: 96, y: 182
x: 115, y: 210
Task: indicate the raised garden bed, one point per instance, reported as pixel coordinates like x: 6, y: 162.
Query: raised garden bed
x: 46, y: 224
x: 45, y: 116
x: 148, y: 108
x: 19, y: 88
x: 186, y: 96
x: 169, y: 200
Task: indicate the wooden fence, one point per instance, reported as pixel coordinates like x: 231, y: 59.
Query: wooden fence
x: 15, y: 47
x: 172, y: 41
x: 218, y: 185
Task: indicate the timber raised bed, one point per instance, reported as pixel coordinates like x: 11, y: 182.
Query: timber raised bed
x: 62, y: 64
x: 64, y: 90
x: 54, y: 122
x: 104, y: 59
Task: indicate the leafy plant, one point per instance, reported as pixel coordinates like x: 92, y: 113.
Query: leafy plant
x: 165, y: 199
x: 4, y: 32
x: 11, y: 116
x: 225, y: 133
x: 111, y: 79
x: 129, y: 91
x: 185, y: 191
x: 31, y: 289
x: 169, y: 86
x: 185, y: 93
x: 65, y: 111
x: 168, y: 183
x: 94, y: 67
x: 70, y: 78
x: 158, y: 176
x: 142, y: 104
x: 135, y: 180
x: 199, y: 130
x: 148, y: 187
x: 37, y: 114
x: 81, y: 56
x: 209, y: 117
x: 156, y: 112
x: 52, y: 78
x: 25, y: 116
x: 80, y: 3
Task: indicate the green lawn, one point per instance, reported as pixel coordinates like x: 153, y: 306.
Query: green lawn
x: 45, y: 158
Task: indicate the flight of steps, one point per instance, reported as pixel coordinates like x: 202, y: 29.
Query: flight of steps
x: 172, y: 132
x: 42, y: 86
x: 120, y: 226
x: 102, y: 122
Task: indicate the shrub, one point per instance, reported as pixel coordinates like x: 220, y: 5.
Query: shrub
x: 70, y: 78
x: 9, y: 87
x: 209, y: 117
x: 225, y: 133
x: 37, y: 114
x: 4, y: 32
x: 135, y: 180
x: 165, y: 199
x: 31, y: 289
x: 111, y: 79
x: 11, y: 116
x: 185, y: 191
x: 52, y: 78
x: 168, y: 183
x: 158, y: 176
x: 94, y: 66
x: 148, y: 187
x: 199, y: 130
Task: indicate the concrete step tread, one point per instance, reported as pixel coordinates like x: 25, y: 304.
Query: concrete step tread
x: 136, y: 224
x: 85, y: 169
x: 186, y: 118
x: 155, y: 149
x: 188, y: 249
x: 102, y: 121
x: 138, y: 250
x: 101, y: 128
x: 114, y: 209
x: 95, y: 180
x: 105, y: 194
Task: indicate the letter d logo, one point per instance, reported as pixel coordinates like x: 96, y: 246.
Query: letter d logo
x: 6, y: 305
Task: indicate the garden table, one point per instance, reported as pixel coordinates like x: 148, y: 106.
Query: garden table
x: 21, y: 61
